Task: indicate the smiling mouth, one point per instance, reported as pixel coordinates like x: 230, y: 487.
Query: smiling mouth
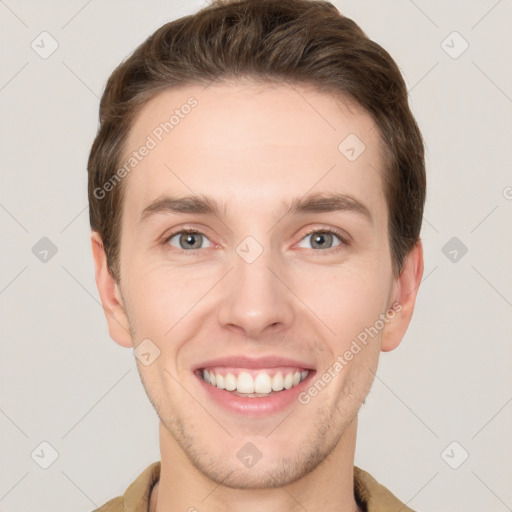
x: 253, y: 383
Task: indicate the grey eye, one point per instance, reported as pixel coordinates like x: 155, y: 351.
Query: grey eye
x: 321, y: 240
x: 188, y: 240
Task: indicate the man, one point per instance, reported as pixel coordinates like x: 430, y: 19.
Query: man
x: 256, y: 193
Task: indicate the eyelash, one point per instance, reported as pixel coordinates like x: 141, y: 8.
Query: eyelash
x: 342, y: 237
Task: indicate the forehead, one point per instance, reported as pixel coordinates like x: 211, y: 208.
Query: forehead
x: 249, y: 144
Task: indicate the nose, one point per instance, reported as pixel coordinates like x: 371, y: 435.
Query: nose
x: 256, y: 298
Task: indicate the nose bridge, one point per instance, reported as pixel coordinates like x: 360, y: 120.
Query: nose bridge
x: 255, y: 297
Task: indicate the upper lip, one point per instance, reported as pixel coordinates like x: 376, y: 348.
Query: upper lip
x: 256, y: 362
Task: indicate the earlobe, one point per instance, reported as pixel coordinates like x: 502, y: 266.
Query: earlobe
x: 407, y: 285
x: 110, y: 295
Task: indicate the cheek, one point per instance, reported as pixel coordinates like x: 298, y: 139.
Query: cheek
x: 346, y: 302
x: 160, y: 296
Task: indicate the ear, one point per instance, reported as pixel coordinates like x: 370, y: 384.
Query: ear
x: 405, y: 290
x: 110, y: 295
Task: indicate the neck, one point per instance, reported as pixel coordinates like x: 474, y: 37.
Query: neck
x: 328, y: 487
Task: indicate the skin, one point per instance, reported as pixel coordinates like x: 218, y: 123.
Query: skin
x: 250, y: 147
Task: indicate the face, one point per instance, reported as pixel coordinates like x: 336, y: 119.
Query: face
x: 255, y: 246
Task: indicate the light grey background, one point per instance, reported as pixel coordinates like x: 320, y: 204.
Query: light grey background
x: 64, y: 381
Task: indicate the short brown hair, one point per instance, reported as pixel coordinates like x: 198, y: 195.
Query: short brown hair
x: 285, y: 41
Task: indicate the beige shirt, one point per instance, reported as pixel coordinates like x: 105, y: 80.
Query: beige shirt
x: 369, y: 494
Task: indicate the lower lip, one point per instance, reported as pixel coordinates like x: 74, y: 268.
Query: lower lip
x: 256, y: 406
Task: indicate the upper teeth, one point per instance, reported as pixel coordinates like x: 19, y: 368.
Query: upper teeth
x: 262, y: 383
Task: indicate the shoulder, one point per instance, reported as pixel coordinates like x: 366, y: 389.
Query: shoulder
x: 374, y: 496
x: 137, y: 495
x: 114, y: 505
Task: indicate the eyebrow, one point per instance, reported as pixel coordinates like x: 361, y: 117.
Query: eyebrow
x: 204, y: 205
